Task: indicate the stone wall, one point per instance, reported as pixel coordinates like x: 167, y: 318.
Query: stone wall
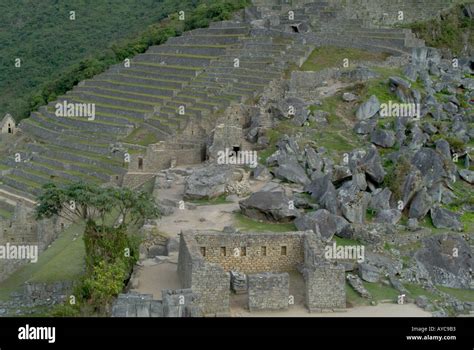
x: 325, y: 288
x: 166, y: 155
x: 204, y: 258
x: 252, y: 252
x: 268, y: 291
x: 325, y: 285
x: 24, y: 229
x: 208, y: 281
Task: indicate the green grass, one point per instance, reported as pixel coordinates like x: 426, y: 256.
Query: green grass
x: 461, y: 294
x: 345, y: 241
x: 447, y: 31
x: 141, y: 136
x: 330, y: 56
x: 353, y: 298
x: 64, y: 260
x: 213, y: 201
x: 5, y: 214
x: 416, y: 290
x: 381, y: 292
x: 246, y: 224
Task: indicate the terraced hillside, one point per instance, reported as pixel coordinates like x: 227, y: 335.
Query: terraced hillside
x: 368, y: 25
x: 197, y: 70
x: 190, y: 79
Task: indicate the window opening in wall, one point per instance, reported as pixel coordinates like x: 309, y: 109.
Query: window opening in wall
x: 140, y: 163
x: 264, y: 251
x: 243, y: 251
x: 236, y: 150
x: 283, y: 250
x: 203, y: 251
x: 223, y: 251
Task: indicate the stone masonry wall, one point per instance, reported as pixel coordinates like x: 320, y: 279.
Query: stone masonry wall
x: 209, y: 282
x: 325, y: 288
x: 163, y: 156
x: 253, y: 252
x: 268, y: 291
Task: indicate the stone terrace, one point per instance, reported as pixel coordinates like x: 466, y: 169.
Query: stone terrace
x: 363, y: 24
x: 196, y: 71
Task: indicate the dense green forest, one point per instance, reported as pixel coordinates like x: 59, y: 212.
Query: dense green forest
x: 56, y: 51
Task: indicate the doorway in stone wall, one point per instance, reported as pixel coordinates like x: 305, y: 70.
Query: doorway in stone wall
x: 140, y: 163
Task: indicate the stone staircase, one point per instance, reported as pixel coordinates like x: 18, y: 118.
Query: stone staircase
x: 198, y: 71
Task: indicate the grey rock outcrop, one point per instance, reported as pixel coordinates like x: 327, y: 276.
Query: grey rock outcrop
x: 321, y: 222
x: 444, y: 218
x: 368, y: 109
x: 208, y: 182
x: 269, y: 206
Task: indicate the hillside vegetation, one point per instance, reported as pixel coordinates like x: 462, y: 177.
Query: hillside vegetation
x: 453, y: 30
x: 57, y: 52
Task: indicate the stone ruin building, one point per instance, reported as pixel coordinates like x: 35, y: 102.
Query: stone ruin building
x: 212, y: 263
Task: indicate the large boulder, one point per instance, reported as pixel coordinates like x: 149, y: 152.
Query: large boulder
x: 313, y: 161
x: 420, y: 205
x: 383, y: 138
x: 430, y: 164
x: 208, y: 182
x: 321, y: 222
x: 390, y: 216
x: 446, y: 259
x: 444, y: 218
x: 371, y: 164
x: 324, y: 192
x: 269, y: 206
x: 353, y: 202
x: 380, y: 199
x: 290, y: 170
x: 369, y: 273
x: 368, y: 109
x: 467, y: 175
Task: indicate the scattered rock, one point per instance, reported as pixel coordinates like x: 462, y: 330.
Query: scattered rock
x: 324, y: 192
x: 391, y: 216
x: 445, y: 259
x: 269, y: 206
x: 290, y: 170
x: 383, y: 138
x: 207, y: 182
x: 420, y: 205
x: 467, y: 175
x: 444, y: 218
x: 369, y: 273
x: 321, y: 222
x: 349, y: 97
x: 368, y: 109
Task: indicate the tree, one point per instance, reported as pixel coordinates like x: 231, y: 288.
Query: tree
x: 93, y: 204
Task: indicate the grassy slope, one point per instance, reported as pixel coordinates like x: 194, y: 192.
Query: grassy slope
x: 63, y: 260
x: 452, y: 30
